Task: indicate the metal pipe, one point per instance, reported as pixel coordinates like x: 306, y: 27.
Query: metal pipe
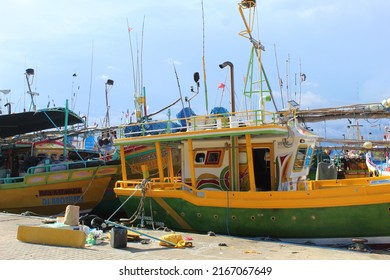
x: 223, y: 65
x: 235, y: 184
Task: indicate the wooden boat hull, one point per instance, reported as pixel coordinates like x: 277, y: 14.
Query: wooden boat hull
x: 49, y: 193
x: 327, y: 211
x: 110, y: 203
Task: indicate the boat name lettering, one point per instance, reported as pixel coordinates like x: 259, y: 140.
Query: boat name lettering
x: 158, y: 224
x: 149, y: 221
x: 60, y: 192
x: 61, y: 200
x: 377, y: 182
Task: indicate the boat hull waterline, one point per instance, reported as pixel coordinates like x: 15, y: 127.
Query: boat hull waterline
x: 329, y: 214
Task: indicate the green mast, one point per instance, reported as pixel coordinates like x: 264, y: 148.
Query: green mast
x: 255, y: 55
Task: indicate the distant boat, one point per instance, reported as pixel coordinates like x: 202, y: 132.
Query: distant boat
x: 43, y: 177
x: 378, y: 169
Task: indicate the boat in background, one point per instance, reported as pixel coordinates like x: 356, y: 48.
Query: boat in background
x: 42, y: 177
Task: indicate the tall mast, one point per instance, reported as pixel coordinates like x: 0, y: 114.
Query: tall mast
x: 204, y: 63
x: 249, y: 19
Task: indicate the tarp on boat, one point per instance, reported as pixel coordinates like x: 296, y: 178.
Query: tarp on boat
x: 220, y: 111
x: 185, y: 114
x: 25, y: 122
x: 151, y: 128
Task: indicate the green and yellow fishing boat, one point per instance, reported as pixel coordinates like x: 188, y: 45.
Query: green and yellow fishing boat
x: 247, y: 174
x: 250, y: 178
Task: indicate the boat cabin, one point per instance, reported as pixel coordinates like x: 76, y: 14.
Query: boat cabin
x: 242, y: 156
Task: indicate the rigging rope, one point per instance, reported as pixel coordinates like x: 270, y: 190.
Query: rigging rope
x: 140, y: 186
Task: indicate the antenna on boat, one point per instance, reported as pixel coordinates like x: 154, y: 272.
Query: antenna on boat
x: 30, y: 73
x: 137, y: 66
x: 178, y: 85
x: 287, y: 77
x: 280, y: 79
x: 90, y: 85
x: 109, y: 85
x: 302, y: 78
x: 203, y: 61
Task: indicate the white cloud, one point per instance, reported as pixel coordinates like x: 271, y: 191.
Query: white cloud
x: 311, y: 100
x: 102, y: 77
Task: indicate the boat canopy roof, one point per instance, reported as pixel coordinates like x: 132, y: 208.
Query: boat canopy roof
x: 25, y: 122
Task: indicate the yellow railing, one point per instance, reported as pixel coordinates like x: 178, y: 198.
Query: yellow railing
x: 203, y: 122
x: 155, y: 184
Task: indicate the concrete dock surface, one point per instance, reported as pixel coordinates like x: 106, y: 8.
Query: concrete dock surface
x: 204, y: 247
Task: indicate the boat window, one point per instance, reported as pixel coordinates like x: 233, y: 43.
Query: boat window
x: 213, y: 157
x: 200, y: 157
x: 42, y: 156
x: 300, y: 158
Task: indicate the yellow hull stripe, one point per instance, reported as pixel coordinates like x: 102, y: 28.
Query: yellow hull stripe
x: 172, y: 213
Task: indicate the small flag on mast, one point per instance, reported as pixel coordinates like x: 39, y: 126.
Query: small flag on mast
x: 221, y: 85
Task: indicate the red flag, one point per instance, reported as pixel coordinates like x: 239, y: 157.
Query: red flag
x: 221, y: 85
x: 129, y: 29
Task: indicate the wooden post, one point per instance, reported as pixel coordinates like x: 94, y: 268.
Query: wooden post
x: 192, y: 165
x: 159, y: 162
x: 123, y: 162
x: 252, y: 183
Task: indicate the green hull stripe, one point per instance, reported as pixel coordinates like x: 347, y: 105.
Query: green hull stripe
x: 321, y: 222
x: 183, y: 224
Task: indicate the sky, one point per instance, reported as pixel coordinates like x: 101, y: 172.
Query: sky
x: 340, y: 45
